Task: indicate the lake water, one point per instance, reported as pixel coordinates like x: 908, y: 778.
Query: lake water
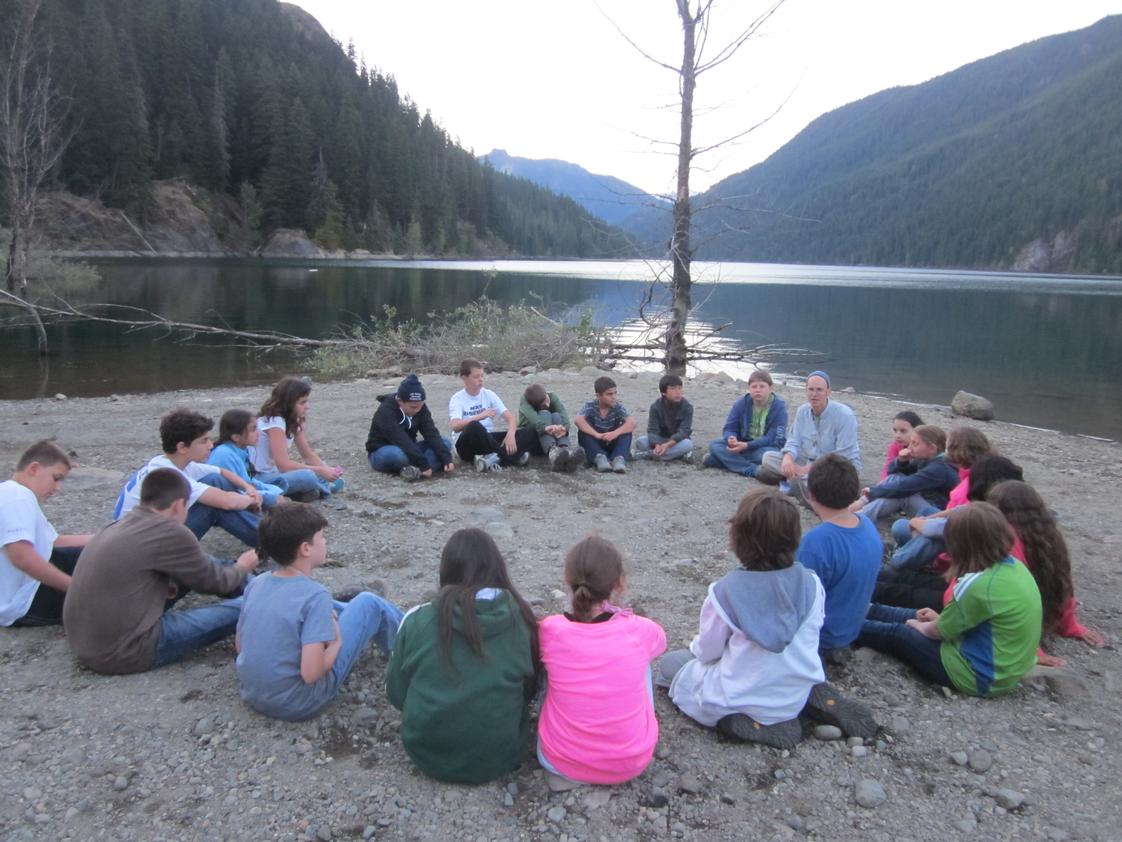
x: 1045, y: 349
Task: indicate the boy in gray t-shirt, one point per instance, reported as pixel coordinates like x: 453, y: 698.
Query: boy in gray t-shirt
x: 293, y: 651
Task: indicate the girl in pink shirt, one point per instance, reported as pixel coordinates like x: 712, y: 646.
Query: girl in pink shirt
x: 598, y: 721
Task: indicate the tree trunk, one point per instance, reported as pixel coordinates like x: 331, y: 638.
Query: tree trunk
x: 680, y: 252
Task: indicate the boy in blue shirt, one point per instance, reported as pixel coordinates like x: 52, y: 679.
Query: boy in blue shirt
x: 845, y: 551
x: 604, y: 428
x: 294, y: 651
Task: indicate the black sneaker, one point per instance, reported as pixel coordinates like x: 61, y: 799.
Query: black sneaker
x: 829, y: 707
x: 410, y: 473
x: 739, y: 726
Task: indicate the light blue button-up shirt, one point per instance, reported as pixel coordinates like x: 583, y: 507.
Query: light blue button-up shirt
x: 834, y: 431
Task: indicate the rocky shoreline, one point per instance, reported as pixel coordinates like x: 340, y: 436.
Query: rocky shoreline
x: 174, y: 754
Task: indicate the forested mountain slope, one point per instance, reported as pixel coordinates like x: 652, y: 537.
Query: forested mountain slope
x: 1014, y: 161
x: 251, y: 98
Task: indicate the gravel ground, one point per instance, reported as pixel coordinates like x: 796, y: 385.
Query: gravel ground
x: 173, y: 754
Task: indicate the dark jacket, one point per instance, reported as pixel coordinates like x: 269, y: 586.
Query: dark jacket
x: 465, y: 719
x: 932, y: 478
x: 672, y: 421
x: 740, y: 420
x: 392, y: 426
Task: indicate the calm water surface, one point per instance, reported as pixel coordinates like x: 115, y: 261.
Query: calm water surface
x: 1045, y: 349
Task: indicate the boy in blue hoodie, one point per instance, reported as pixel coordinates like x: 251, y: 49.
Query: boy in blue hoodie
x: 756, y: 424
x: 922, y: 480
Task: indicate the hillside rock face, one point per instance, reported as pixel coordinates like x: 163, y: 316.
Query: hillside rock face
x: 1042, y: 255
x: 180, y: 220
x: 289, y: 242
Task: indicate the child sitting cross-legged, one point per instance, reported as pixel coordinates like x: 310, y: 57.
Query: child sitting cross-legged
x: 295, y: 644
x: 753, y: 667
x: 598, y: 721
x: 464, y: 668
x: 669, y: 424
x: 985, y: 639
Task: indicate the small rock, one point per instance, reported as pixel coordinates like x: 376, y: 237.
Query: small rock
x: 597, y: 797
x: 794, y: 821
x: 728, y: 798
x: 203, y: 727
x: 499, y: 529
x: 508, y: 799
x: 972, y: 406
x: 369, y: 831
x: 858, y: 751
x: 324, y: 834
x: 557, y: 594
x: 966, y: 826
x: 961, y: 758
x: 32, y: 793
x: 980, y: 760
x: 120, y: 783
x: 827, y: 732
x: 900, y: 724
x: 512, y: 788
x: 556, y: 814
x: 657, y: 798
x: 689, y: 783
x: 869, y: 793
x: 1066, y: 685
x: 19, y: 751
x: 365, y: 716
x: 1007, y: 799
x: 60, y: 397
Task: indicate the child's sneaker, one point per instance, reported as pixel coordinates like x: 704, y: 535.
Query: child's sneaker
x: 576, y: 459
x: 768, y: 476
x: 828, y: 706
x: 557, y: 458
x: 338, y: 485
x: 602, y: 464
x: 410, y: 473
x: 487, y: 462
x: 523, y: 459
x: 619, y: 465
x: 688, y: 457
x: 707, y: 461
x: 742, y: 727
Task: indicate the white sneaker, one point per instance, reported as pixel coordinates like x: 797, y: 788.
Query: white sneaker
x: 480, y: 463
x: 602, y: 464
x: 619, y: 465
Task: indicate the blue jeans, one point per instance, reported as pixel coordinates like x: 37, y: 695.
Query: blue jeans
x: 746, y: 463
x: 365, y: 618
x: 545, y: 440
x: 675, y: 451
x: 390, y: 459
x: 620, y: 446
x: 241, y: 524
x: 300, y: 481
x: 883, y: 508
x: 916, y: 551
x: 184, y: 632
x: 884, y: 629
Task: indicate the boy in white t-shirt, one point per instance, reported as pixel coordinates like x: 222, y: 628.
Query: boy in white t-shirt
x: 472, y: 411
x: 213, y: 501
x: 35, y: 561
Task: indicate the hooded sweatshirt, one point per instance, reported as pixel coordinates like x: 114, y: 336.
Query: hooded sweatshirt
x: 934, y: 479
x: 756, y: 651
x: 392, y: 426
x: 465, y: 719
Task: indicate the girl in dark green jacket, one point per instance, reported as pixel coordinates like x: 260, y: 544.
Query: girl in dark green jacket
x: 464, y: 668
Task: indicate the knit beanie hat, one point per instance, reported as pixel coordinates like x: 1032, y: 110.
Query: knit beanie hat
x: 411, y: 389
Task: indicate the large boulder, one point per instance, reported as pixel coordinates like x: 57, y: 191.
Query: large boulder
x: 972, y: 406
x: 289, y: 242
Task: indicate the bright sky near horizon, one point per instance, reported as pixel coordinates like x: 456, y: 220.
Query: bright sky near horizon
x: 557, y: 80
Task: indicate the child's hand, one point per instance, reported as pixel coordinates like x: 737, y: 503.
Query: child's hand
x: 916, y: 524
x: 1046, y: 660
x: 927, y: 629
x: 904, y: 453
x: 1093, y: 637
x: 247, y: 562
x: 927, y: 615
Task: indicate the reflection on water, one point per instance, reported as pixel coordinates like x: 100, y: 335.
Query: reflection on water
x: 1045, y: 349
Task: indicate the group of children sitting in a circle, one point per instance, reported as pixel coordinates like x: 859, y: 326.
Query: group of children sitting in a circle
x: 979, y: 573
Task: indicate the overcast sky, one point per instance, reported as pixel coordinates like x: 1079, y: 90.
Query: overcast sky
x: 556, y: 80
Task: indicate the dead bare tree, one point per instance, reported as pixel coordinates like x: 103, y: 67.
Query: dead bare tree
x: 698, y: 57
x: 33, y: 138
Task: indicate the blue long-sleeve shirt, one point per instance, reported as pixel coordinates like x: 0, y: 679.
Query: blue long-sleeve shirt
x: 236, y: 460
x: 931, y: 478
x: 834, y: 431
x: 739, y: 423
